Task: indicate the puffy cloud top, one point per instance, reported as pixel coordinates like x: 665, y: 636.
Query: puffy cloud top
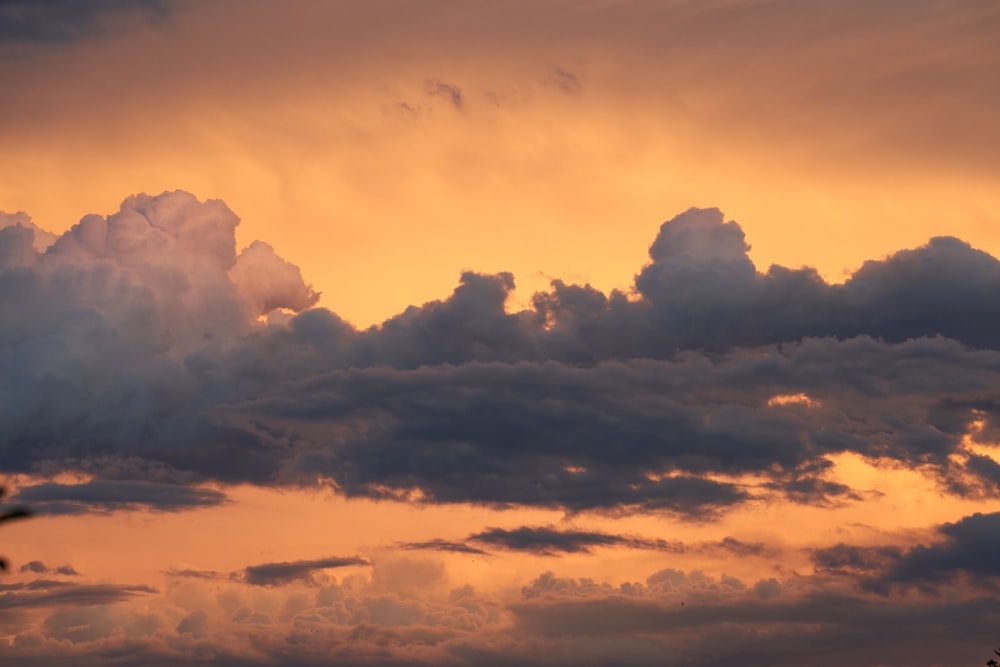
x: 133, y: 349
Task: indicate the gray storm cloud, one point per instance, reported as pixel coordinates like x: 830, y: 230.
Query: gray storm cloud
x: 133, y: 349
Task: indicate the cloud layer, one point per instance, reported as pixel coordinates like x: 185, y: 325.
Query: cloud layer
x: 669, y: 617
x: 141, y: 348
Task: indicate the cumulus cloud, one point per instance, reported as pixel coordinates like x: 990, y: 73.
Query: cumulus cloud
x: 110, y: 338
x: 134, y: 351
x: 269, y: 282
x: 41, y: 239
x: 671, y: 617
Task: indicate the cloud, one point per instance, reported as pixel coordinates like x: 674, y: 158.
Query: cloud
x: 738, y: 547
x: 59, y: 593
x: 41, y: 239
x: 61, y: 21
x: 450, y: 92
x: 549, y: 541
x: 969, y: 548
x: 543, y: 541
x: 278, y: 574
x: 642, y: 433
x: 34, y: 566
x: 442, y: 545
x: 38, y: 567
x: 845, y: 558
x: 269, y: 282
x: 564, y: 80
x: 115, y: 495
x: 134, y: 351
x: 962, y: 554
x: 194, y: 624
x: 813, y: 624
x: 191, y: 573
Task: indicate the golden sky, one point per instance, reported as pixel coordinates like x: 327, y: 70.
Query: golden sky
x: 337, y: 433
x: 573, y: 131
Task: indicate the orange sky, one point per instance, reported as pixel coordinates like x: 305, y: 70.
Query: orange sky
x: 384, y: 148
x: 579, y: 132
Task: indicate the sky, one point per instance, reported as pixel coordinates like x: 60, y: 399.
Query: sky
x: 480, y: 332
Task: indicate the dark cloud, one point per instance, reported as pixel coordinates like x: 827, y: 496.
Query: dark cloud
x: 134, y: 351
x: 115, y: 495
x: 442, y: 545
x: 812, y: 626
x: 448, y: 91
x: 549, y: 541
x: 67, y: 20
x: 190, y: 573
x: 38, y: 567
x: 544, y: 541
x: 194, y: 624
x: 45, y: 593
x: 614, y: 434
x: 278, y: 574
x: 969, y: 548
x: 740, y: 548
x: 965, y: 552
x: 34, y: 566
x: 854, y: 559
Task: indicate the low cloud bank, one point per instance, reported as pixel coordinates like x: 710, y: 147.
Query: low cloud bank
x: 138, y: 347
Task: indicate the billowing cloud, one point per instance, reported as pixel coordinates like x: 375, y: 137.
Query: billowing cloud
x: 41, y: 239
x: 135, y: 353
x: 269, y: 282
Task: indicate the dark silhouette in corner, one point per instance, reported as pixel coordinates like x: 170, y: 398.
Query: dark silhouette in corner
x: 10, y: 515
x: 992, y: 661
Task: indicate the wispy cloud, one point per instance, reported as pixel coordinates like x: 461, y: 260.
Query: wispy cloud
x: 277, y: 574
x: 115, y: 495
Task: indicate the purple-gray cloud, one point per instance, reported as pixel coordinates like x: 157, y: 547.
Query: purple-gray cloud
x: 277, y: 574
x: 133, y: 351
x: 62, y: 21
x: 111, y: 495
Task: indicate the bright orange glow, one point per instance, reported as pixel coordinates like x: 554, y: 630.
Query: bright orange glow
x: 793, y: 399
